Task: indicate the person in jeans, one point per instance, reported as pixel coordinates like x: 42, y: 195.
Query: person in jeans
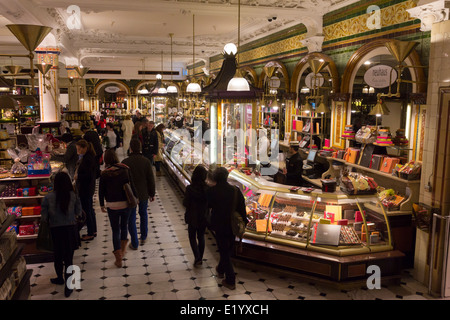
x: 159, y: 156
x: 144, y: 182
x: 113, y: 200
x: 85, y: 176
x: 61, y: 209
x: 224, y: 199
x: 196, y: 205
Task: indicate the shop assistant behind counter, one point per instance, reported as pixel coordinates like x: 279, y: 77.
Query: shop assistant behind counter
x: 294, y: 167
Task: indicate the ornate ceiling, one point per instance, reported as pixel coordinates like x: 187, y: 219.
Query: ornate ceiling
x: 118, y: 33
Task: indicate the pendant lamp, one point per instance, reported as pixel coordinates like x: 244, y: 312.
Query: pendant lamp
x: 238, y: 83
x: 161, y: 90
x: 193, y: 87
x: 171, y: 88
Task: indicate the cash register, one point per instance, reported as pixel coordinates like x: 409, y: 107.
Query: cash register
x: 311, y: 169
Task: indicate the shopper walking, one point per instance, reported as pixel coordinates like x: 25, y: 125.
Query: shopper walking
x: 113, y: 200
x: 85, y: 176
x: 112, y: 137
x: 159, y: 156
x: 149, y: 141
x: 61, y: 209
x: 71, y: 155
x: 92, y: 136
x: 127, y: 129
x: 196, y: 204
x: 144, y: 182
x: 224, y: 199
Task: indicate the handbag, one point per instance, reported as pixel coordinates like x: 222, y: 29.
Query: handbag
x: 44, y: 240
x: 131, y: 198
x: 81, y: 220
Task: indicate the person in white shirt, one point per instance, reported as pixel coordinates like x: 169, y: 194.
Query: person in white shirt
x: 111, y: 135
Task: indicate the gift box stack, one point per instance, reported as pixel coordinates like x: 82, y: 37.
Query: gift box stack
x: 349, y: 133
x: 400, y: 138
x: 384, y: 138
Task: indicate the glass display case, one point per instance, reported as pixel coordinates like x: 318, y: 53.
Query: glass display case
x: 331, y: 223
x: 159, y: 107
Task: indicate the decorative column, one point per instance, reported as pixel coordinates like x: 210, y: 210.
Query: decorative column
x: 48, y: 85
x: 430, y: 12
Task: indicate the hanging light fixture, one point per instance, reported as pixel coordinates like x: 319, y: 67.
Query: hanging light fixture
x: 161, y: 89
x: 322, y: 108
x: 193, y: 86
x: 144, y: 90
x: 238, y: 83
x: 307, y: 108
x: 171, y: 88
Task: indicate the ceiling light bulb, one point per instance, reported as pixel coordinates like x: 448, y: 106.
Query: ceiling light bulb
x: 230, y: 48
x: 367, y: 63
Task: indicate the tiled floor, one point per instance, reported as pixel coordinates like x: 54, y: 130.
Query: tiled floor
x: 162, y: 269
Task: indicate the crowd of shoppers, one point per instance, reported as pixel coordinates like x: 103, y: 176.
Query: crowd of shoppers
x: 209, y: 199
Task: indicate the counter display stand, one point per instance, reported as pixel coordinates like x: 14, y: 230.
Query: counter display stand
x: 14, y: 277
x: 288, y: 229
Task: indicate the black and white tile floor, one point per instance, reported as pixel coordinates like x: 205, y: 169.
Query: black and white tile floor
x: 162, y: 269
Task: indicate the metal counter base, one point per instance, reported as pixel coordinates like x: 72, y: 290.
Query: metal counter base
x: 339, y: 272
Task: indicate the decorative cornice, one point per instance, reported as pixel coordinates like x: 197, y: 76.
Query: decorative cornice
x: 314, y: 43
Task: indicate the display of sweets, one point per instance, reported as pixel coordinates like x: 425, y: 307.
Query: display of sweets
x: 400, y: 138
x: 349, y: 132
x: 18, y: 170
x: 4, y: 173
x: 384, y: 137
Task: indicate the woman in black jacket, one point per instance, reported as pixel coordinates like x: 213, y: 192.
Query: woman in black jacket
x: 111, y: 189
x: 85, y: 176
x: 224, y: 199
x: 196, y: 205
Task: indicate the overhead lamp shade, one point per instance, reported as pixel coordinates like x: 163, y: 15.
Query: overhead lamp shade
x: 274, y: 104
x: 43, y: 68
x: 143, y: 91
x: 30, y: 36
x: 82, y: 71
x: 307, y: 108
x: 13, y: 69
x: 158, y: 76
x: 172, y: 89
x: 379, y: 109
x: 230, y: 49
x: 71, y: 79
x: 162, y: 90
x: 322, y: 108
x: 193, y: 87
x: 401, y: 49
x: 238, y: 83
x: 8, y: 102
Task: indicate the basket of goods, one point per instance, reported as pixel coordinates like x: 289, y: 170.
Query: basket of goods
x: 390, y: 200
x: 4, y: 173
x: 18, y: 170
x: 39, y: 164
x: 366, y: 134
x: 409, y: 171
x: 357, y: 184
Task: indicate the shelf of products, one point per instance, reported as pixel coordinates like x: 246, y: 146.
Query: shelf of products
x: 14, y: 277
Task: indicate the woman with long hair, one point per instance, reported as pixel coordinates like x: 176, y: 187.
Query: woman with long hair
x: 61, y: 209
x: 85, y: 176
x: 159, y: 156
x: 195, y: 201
x: 113, y: 200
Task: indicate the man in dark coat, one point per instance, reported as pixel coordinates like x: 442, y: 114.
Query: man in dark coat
x: 150, y: 141
x: 144, y: 182
x: 294, y: 167
x: 224, y: 199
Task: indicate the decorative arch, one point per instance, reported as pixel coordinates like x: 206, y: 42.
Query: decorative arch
x: 284, y: 71
x: 302, y: 64
x: 359, y: 55
x: 249, y: 70
x: 104, y: 83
